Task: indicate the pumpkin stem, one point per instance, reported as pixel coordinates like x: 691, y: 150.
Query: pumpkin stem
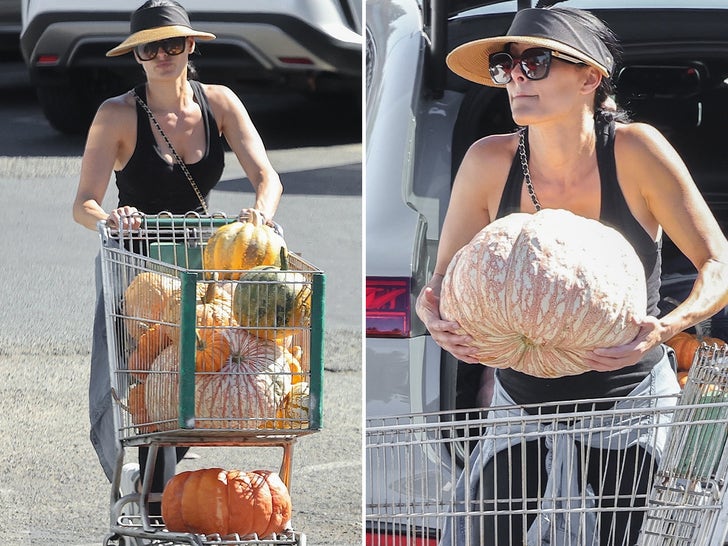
x: 254, y: 217
x: 209, y: 293
x: 284, y: 258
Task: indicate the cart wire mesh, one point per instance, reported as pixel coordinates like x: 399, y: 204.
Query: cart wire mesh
x: 561, y: 477
x: 198, y: 352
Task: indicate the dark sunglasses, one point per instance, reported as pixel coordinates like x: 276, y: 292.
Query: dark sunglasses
x: 171, y: 46
x: 534, y: 62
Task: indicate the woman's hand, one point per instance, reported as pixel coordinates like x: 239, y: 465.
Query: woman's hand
x: 446, y: 333
x: 125, y: 218
x: 614, y: 358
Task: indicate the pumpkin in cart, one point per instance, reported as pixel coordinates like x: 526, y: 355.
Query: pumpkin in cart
x: 248, y: 390
x: 242, y: 245
x: 226, y: 502
x: 537, y: 291
x: 145, y: 300
x: 684, y: 345
x: 244, y: 394
x: 152, y: 342
x: 295, y: 408
x: 273, y: 302
x: 213, y: 309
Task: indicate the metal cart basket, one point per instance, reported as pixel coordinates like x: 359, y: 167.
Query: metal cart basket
x: 430, y: 478
x: 197, y: 359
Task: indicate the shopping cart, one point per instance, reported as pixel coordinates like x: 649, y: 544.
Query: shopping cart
x: 556, y: 481
x: 187, y: 371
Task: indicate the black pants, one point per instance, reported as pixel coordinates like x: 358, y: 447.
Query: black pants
x: 619, y: 479
x: 159, y: 477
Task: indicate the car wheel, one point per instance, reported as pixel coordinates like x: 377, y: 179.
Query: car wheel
x: 66, y: 108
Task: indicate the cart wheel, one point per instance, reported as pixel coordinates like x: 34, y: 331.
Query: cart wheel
x: 111, y: 540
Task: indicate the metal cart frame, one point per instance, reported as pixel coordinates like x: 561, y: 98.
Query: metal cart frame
x: 416, y: 466
x: 170, y: 247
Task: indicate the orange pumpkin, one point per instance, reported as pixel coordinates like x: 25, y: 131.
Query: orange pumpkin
x: 682, y: 378
x: 214, y: 308
x: 684, y: 345
x: 145, y: 299
x: 152, y: 342
x: 213, y: 500
x: 137, y: 405
x: 212, y: 350
x: 535, y: 296
x: 242, y: 245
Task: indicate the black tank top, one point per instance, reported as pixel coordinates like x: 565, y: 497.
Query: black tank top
x: 152, y: 185
x: 526, y: 389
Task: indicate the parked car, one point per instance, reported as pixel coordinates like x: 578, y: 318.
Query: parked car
x: 420, y: 120
x: 308, y: 45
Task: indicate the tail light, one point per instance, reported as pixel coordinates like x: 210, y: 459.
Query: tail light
x: 388, y: 306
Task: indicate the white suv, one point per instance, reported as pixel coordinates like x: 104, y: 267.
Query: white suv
x: 310, y: 45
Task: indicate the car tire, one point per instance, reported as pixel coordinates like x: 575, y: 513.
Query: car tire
x: 66, y: 108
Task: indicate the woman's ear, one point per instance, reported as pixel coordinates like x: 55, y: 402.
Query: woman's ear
x: 592, y: 79
x: 191, y: 45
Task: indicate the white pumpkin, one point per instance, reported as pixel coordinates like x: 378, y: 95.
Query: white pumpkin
x: 244, y: 394
x: 248, y: 390
x: 537, y: 291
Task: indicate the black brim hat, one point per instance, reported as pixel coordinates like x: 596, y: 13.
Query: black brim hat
x: 157, y: 23
x: 538, y: 27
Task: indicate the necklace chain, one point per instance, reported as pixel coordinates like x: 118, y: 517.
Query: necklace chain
x: 177, y: 158
x: 524, y: 167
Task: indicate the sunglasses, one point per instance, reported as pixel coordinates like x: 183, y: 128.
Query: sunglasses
x: 534, y: 62
x: 171, y: 46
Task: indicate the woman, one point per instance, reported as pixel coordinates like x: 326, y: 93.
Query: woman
x: 164, y: 142
x: 556, y: 66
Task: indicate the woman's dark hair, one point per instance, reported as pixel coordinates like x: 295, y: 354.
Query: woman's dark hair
x: 604, y: 104
x: 192, y: 73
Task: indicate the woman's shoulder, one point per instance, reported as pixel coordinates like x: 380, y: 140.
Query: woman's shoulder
x: 218, y: 95
x: 639, y: 139
x: 119, y: 108
x: 493, y: 148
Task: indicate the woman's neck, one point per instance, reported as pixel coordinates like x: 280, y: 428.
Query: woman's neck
x: 168, y: 97
x: 562, y: 147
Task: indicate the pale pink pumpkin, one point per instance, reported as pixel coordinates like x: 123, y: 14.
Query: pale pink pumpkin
x: 537, y: 291
x: 245, y: 393
x: 249, y: 388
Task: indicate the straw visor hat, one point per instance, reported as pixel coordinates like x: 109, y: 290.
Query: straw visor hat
x: 558, y: 30
x: 157, y: 23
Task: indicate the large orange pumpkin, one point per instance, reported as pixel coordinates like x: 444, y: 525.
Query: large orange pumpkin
x: 242, y: 245
x: 213, y: 500
x: 537, y: 291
